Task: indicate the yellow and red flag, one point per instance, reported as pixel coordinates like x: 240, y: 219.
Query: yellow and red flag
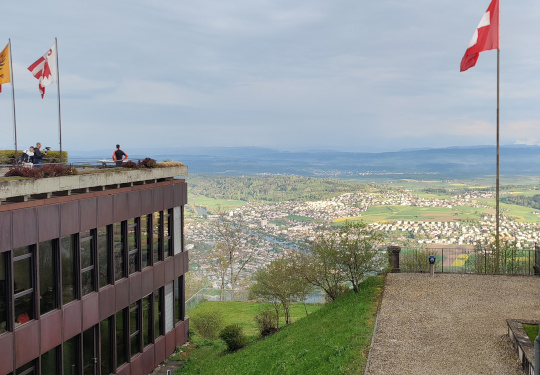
x: 5, y: 71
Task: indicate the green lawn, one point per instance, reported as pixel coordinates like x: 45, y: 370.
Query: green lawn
x: 532, y: 331
x: 332, y: 340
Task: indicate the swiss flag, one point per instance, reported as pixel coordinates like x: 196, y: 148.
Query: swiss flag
x: 485, y: 38
x: 45, y: 69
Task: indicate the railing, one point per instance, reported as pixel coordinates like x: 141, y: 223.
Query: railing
x: 480, y: 261
x: 213, y: 294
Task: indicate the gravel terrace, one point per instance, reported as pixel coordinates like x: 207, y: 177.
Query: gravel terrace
x: 451, y: 324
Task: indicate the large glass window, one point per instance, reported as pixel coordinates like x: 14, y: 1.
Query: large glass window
x: 89, y: 351
x: 88, y: 245
x: 104, y: 255
x: 146, y: 240
x: 71, y: 356
x: 49, y: 362
x: 148, y: 320
x: 167, y: 230
x: 157, y: 236
x: 133, y: 245
x: 48, y: 276
x: 135, y: 327
x: 3, y: 293
x: 106, y: 347
x: 179, y: 311
x: 68, y: 255
x: 23, y: 284
x: 27, y: 369
x: 159, y: 324
x: 119, y: 253
x: 121, y: 342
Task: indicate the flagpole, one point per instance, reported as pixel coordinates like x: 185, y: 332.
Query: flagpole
x: 497, y: 219
x: 59, y: 112
x: 13, y: 97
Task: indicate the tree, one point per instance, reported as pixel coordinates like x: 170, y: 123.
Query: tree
x: 236, y: 245
x: 358, y: 251
x: 279, y: 284
x: 342, y: 255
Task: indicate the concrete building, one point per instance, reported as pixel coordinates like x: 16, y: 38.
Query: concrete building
x: 92, y: 272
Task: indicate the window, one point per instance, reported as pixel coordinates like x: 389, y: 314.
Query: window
x: 159, y: 325
x: 49, y: 362
x: 70, y: 355
x: 104, y: 255
x: 48, y: 274
x: 121, y: 344
x: 119, y: 254
x: 27, y: 369
x: 69, y: 277
x: 106, y: 346
x: 179, y: 309
x: 87, y: 241
x: 167, y: 230
x: 133, y: 245
x: 3, y: 294
x: 89, y: 353
x: 157, y: 236
x: 146, y: 240
x: 135, y: 327
x: 23, y: 284
x: 147, y: 321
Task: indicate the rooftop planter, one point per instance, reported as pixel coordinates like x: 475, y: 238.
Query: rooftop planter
x: 10, y: 187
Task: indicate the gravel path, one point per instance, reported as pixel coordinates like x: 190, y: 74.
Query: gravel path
x: 451, y: 324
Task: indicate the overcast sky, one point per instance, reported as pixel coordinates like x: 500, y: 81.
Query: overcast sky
x: 345, y: 75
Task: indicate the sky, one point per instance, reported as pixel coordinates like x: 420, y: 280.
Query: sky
x: 362, y: 76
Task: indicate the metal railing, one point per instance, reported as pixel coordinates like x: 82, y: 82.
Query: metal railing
x: 479, y: 261
x: 241, y: 295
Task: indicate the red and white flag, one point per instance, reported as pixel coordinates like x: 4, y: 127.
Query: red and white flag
x: 485, y: 38
x: 45, y: 69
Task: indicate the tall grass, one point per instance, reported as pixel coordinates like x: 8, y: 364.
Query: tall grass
x: 333, y: 340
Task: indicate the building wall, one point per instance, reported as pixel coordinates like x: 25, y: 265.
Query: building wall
x: 108, y: 299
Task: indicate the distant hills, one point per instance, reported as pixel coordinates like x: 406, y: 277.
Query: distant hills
x: 451, y: 162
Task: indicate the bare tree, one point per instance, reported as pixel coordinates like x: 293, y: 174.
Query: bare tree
x: 236, y: 244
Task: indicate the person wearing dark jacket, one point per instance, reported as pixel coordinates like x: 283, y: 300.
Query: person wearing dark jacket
x: 38, y: 155
x: 119, y: 156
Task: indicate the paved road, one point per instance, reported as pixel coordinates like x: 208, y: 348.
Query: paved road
x: 451, y: 324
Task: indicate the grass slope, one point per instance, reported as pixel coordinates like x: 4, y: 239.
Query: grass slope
x: 333, y: 340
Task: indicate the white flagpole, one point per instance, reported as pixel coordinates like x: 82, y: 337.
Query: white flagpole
x: 13, y: 97
x: 59, y: 112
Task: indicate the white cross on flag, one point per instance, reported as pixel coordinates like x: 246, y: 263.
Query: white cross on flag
x: 45, y: 69
x: 485, y: 37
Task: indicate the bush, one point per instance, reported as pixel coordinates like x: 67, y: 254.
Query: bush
x: 130, y: 164
x: 234, y: 337
x: 267, y: 322
x: 147, y: 163
x: 47, y: 170
x: 207, y: 324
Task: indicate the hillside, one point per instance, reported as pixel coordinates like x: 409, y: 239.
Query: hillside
x: 333, y: 340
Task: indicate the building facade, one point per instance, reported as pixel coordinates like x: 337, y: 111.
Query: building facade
x: 92, y: 273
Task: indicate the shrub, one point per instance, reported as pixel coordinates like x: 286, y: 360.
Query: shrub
x: 47, y: 170
x: 207, y: 324
x: 234, y: 337
x: 147, y: 163
x: 267, y: 322
x: 130, y: 164
x: 169, y: 163
x: 414, y: 260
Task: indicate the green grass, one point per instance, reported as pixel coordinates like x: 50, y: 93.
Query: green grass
x: 333, y: 340
x: 532, y: 331
x: 243, y: 313
x: 212, y: 204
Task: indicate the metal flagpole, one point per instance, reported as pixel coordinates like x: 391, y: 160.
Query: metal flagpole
x: 13, y: 97
x: 497, y: 219
x: 59, y: 112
